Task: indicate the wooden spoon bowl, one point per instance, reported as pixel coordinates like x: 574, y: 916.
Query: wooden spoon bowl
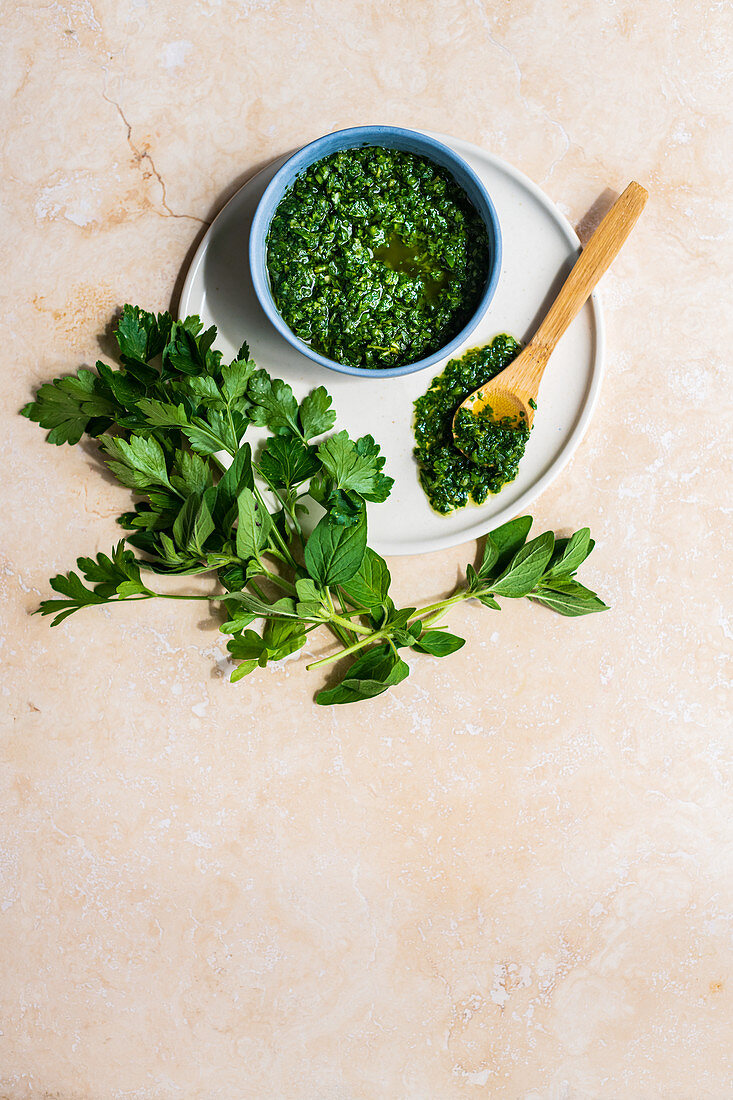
x: 513, y: 392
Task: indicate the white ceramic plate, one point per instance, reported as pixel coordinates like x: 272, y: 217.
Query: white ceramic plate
x: 539, y: 249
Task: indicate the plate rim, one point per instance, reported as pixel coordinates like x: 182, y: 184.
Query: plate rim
x: 485, y: 526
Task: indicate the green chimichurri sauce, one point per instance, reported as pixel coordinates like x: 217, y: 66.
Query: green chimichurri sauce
x: 376, y: 257
x: 491, y: 442
x: 448, y: 477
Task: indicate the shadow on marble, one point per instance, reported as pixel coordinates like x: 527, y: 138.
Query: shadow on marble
x: 595, y: 214
x: 227, y: 193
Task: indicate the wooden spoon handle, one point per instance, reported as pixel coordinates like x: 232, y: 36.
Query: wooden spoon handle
x: 594, y: 260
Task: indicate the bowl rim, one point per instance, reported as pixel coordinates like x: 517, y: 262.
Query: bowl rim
x: 308, y: 154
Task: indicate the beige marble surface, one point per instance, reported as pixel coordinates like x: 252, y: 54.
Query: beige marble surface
x: 512, y: 877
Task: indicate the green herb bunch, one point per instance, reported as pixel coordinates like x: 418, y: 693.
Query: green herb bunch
x: 171, y: 421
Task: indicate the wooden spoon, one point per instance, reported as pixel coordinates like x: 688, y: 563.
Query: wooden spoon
x: 513, y: 392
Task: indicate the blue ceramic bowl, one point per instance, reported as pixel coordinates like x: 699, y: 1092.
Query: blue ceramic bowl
x: 390, y: 137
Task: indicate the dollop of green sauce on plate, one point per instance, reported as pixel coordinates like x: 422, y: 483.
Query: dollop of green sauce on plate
x: 491, y: 442
x: 376, y: 257
x: 450, y: 479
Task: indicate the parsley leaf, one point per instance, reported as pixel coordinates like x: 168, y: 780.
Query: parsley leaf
x: 140, y: 335
x: 356, y: 466
x: 188, y: 350
x: 315, y: 413
x: 139, y: 463
x: 216, y: 432
x: 67, y: 405
x: 162, y: 414
x: 191, y: 473
x: 193, y: 525
x: 249, y: 648
x: 118, y: 575
x: 274, y: 404
x: 286, y: 462
x: 235, y: 379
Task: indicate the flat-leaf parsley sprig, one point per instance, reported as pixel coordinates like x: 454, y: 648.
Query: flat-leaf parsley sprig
x: 171, y: 420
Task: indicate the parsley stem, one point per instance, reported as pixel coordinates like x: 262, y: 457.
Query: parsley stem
x: 284, y: 547
x: 182, y: 596
x: 287, y: 504
x: 290, y: 507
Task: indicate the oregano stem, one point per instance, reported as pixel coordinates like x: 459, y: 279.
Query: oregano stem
x: 280, y: 582
x: 340, y: 633
x: 441, y: 605
x: 257, y: 590
x: 356, y: 627
x: 375, y: 637
x: 340, y: 602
